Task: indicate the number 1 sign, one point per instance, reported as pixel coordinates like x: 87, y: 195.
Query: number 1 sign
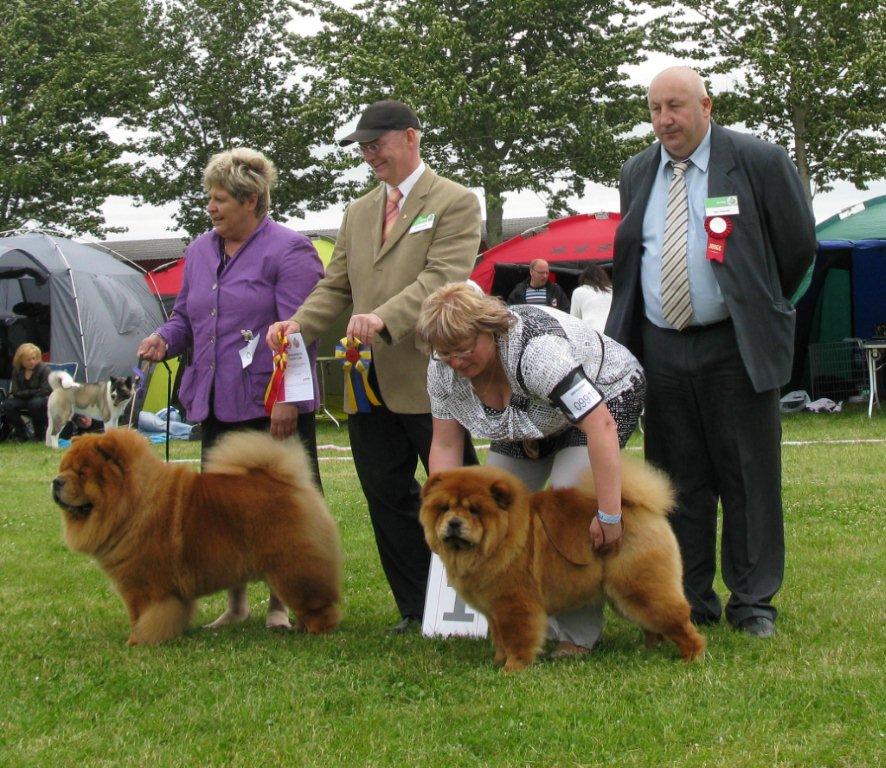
x: 446, y: 613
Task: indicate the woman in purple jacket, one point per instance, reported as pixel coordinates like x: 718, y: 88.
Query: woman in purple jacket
x: 244, y: 274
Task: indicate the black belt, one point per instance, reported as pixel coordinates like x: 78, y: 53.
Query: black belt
x: 694, y: 328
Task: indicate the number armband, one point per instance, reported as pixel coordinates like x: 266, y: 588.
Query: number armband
x: 576, y: 396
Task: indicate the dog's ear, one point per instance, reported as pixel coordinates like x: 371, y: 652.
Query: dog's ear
x: 115, y: 446
x: 502, y: 493
x: 435, y: 479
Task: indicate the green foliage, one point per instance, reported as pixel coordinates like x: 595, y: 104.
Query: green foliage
x: 72, y: 693
x: 513, y: 95
x: 811, y: 75
x: 67, y: 70
x: 225, y: 76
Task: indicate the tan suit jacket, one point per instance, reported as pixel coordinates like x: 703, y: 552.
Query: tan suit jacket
x: 392, y: 280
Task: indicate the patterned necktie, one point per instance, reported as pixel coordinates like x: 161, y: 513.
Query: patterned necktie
x: 392, y: 210
x: 675, y: 302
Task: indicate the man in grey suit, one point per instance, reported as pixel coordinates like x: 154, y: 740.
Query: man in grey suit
x: 705, y: 256
x: 411, y: 234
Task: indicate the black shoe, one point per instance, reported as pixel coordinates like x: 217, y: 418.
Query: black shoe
x: 704, y: 620
x: 407, y: 624
x: 757, y: 626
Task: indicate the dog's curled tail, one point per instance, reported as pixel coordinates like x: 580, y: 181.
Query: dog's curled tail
x: 239, y: 453
x: 62, y: 380
x: 645, y: 486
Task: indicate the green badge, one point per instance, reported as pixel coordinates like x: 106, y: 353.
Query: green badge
x: 721, y: 206
x: 422, y: 222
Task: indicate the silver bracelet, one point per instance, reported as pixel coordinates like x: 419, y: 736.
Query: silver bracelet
x: 608, y: 519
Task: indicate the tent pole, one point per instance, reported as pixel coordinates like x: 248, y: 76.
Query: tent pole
x: 76, y: 304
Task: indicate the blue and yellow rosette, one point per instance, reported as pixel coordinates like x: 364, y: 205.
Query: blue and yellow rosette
x: 357, y: 360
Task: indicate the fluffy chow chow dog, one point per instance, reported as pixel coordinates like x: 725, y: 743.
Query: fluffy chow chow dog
x: 518, y: 556
x: 166, y: 535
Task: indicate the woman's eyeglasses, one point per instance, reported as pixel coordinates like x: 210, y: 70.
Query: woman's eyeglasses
x: 449, y: 356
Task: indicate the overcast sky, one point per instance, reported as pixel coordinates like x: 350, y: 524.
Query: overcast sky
x: 157, y: 221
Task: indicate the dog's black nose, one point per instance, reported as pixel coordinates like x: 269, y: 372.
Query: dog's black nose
x: 58, y: 483
x: 454, y: 527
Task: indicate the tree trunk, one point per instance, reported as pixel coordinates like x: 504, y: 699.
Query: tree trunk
x: 494, y: 213
x: 799, y: 116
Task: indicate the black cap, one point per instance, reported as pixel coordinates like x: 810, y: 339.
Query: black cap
x: 387, y: 115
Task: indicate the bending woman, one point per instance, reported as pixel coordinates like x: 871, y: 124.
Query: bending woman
x: 553, y: 396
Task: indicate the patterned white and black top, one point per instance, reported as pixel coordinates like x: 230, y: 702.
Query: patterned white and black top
x: 542, y: 351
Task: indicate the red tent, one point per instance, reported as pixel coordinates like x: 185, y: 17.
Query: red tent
x: 567, y: 244
x: 167, y: 280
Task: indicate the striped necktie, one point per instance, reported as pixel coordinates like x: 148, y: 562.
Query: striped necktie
x: 675, y: 302
x: 392, y: 210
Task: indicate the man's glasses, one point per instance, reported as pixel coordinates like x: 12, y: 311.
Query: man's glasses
x: 372, y: 147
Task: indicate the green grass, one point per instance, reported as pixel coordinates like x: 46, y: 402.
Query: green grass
x: 72, y: 693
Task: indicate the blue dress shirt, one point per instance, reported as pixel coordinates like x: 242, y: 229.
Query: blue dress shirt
x: 707, y: 300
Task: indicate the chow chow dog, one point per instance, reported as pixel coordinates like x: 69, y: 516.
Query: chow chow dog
x: 166, y: 535
x: 518, y: 556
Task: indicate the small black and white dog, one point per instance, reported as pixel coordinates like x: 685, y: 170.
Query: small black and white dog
x: 105, y: 401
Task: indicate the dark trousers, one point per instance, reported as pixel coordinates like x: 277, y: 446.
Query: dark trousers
x: 387, y: 447
x: 306, y: 427
x: 719, y: 440
x: 33, y: 407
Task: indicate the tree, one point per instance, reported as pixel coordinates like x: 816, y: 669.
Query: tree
x: 67, y: 70
x: 811, y: 76
x: 226, y: 77
x: 513, y: 94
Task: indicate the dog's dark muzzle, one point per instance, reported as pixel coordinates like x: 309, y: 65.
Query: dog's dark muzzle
x: 454, y: 534
x: 81, y: 511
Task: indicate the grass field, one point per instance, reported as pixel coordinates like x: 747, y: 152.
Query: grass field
x: 73, y: 694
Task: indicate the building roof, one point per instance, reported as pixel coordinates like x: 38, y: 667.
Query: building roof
x: 150, y: 254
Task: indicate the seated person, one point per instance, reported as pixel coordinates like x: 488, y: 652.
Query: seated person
x: 80, y: 424
x: 29, y: 392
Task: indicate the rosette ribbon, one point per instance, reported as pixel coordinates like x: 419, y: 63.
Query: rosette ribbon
x: 276, y: 391
x: 357, y: 360
x: 718, y: 228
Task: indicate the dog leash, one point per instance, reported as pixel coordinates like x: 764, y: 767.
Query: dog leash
x: 168, y: 404
x: 141, y: 382
x: 144, y: 366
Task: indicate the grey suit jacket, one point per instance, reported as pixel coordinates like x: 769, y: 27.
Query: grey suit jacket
x: 767, y: 254
x: 392, y: 280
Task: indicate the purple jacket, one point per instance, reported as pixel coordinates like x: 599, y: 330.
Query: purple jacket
x: 271, y: 276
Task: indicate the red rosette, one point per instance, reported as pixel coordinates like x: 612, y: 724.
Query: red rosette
x: 718, y: 228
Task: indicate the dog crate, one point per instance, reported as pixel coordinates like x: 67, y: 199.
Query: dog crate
x: 837, y: 370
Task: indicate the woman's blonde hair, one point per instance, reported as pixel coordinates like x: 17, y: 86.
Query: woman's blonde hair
x: 23, y: 351
x: 456, y: 312
x: 242, y: 172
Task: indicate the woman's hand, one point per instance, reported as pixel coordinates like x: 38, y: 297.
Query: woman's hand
x: 604, y: 537
x: 153, y: 348
x: 284, y: 417
x: 282, y: 328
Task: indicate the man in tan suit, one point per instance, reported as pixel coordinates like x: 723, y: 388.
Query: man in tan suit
x: 396, y: 244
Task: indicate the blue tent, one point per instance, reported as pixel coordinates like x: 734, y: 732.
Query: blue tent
x: 846, y: 298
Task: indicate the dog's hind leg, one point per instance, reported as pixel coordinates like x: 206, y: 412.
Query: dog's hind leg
x: 660, y: 611
x: 161, y: 621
